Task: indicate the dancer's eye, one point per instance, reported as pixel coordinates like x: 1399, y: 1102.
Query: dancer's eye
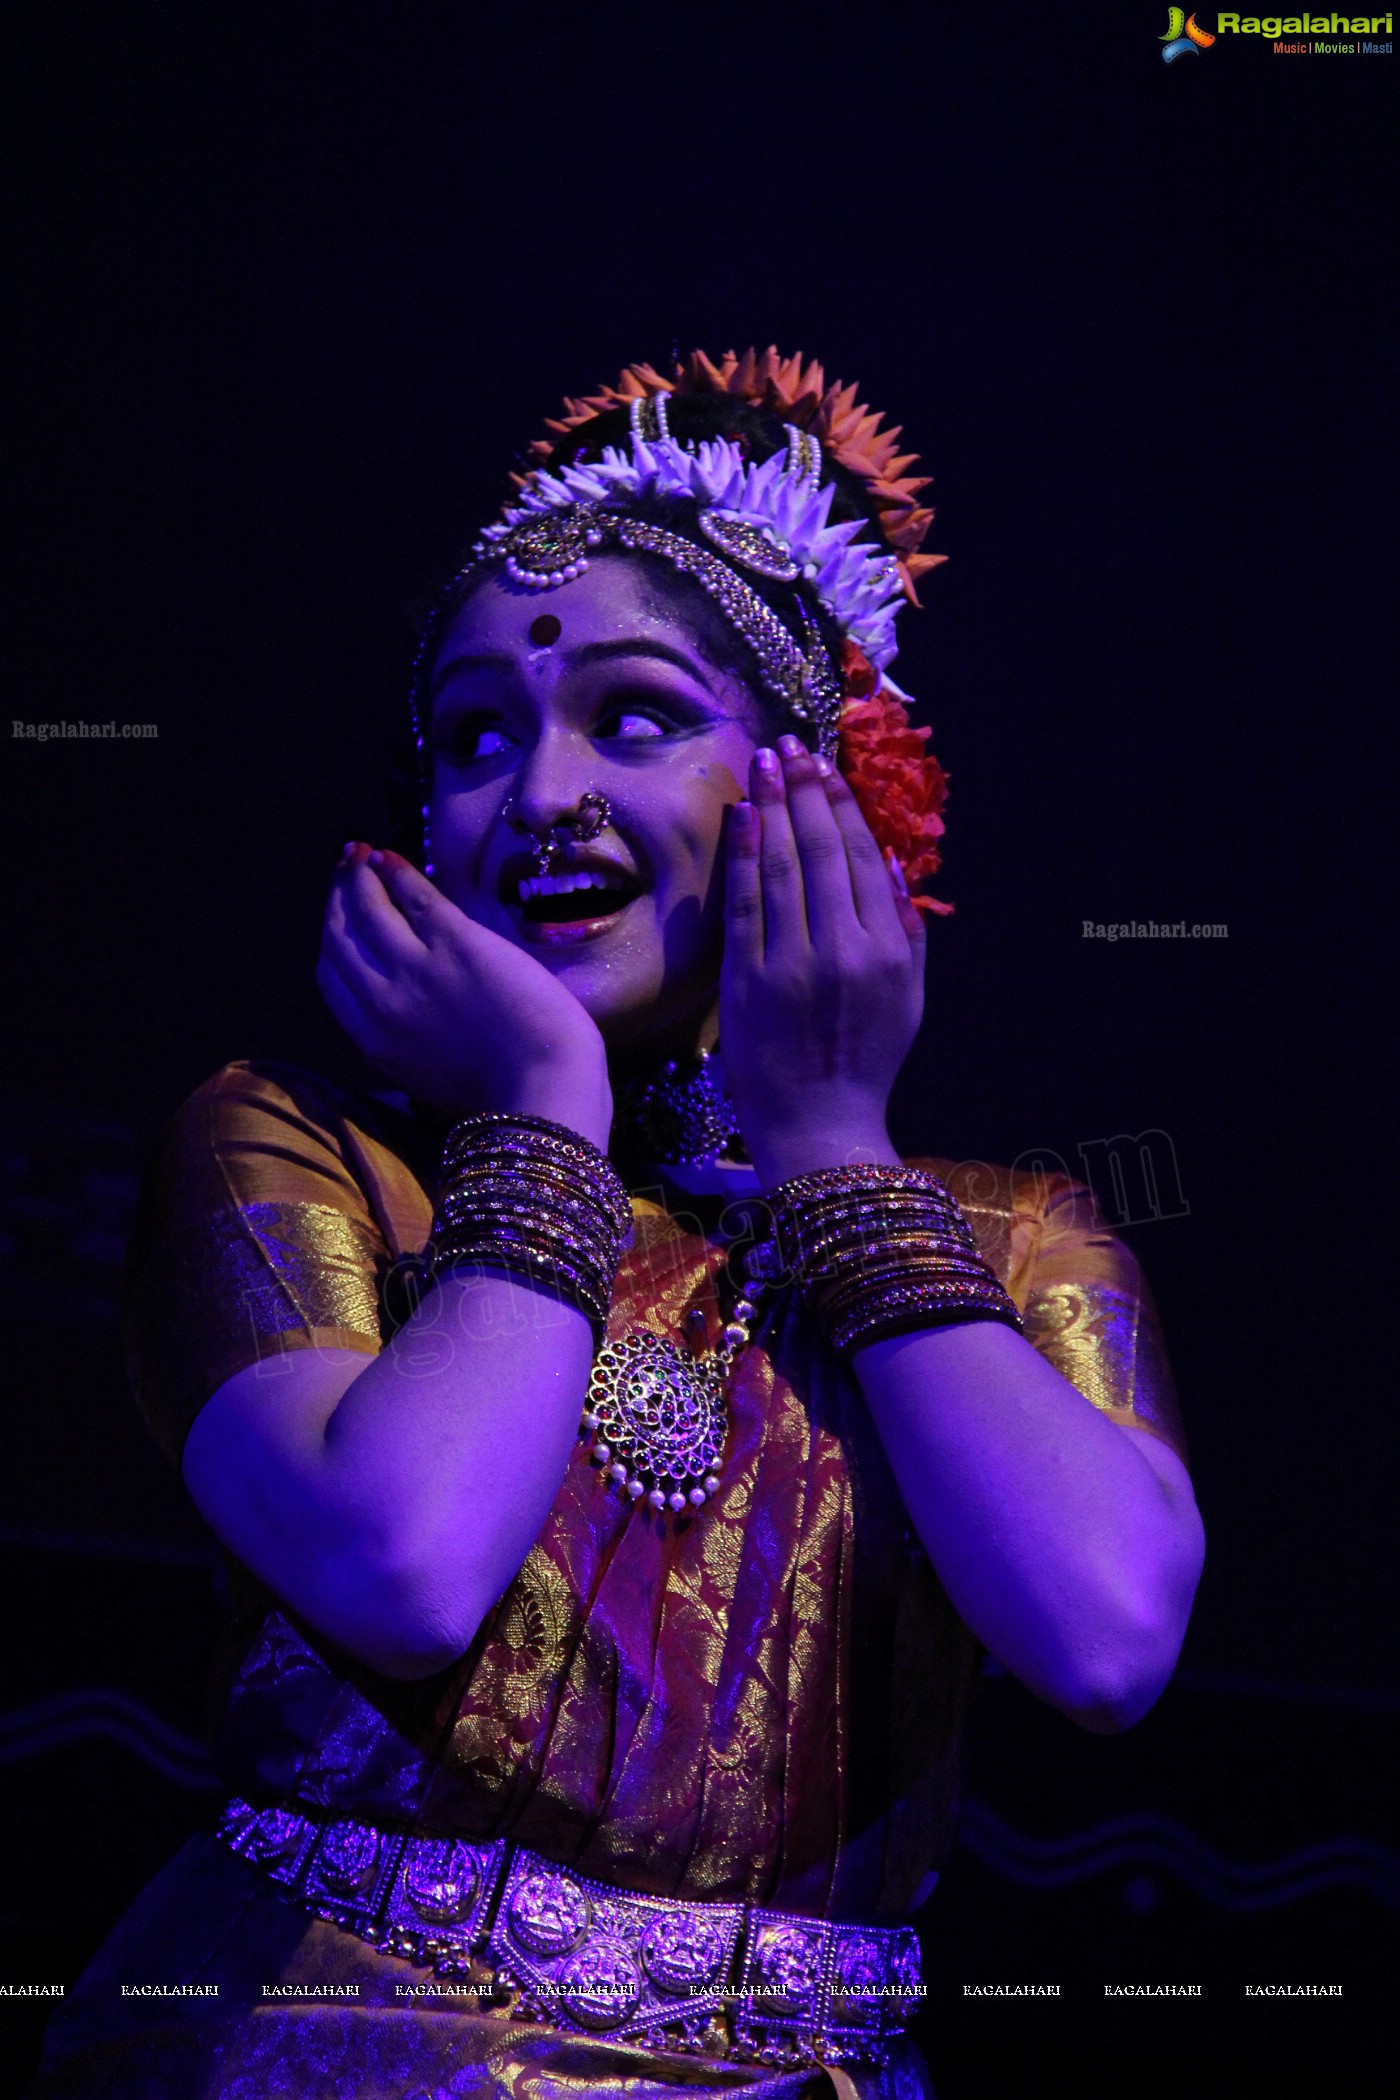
x: 633, y: 721
x: 463, y: 739
x: 646, y: 712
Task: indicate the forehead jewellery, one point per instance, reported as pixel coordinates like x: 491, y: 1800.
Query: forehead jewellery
x: 814, y: 600
x: 761, y: 524
x: 767, y: 523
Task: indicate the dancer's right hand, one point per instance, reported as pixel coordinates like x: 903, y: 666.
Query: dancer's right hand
x: 451, y: 1012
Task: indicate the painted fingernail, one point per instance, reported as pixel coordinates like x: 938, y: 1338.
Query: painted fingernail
x: 766, y: 759
x: 897, y: 876
x: 823, y: 765
x: 376, y: 859
x: 791, y: 746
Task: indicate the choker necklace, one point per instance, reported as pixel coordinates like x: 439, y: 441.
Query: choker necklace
x: 679, y: 1118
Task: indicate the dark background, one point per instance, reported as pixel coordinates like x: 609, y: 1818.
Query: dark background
x: 292, y: 284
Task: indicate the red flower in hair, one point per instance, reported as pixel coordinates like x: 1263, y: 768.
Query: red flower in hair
x: 899, y: 787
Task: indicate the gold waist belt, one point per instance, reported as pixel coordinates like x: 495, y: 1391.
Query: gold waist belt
x: 720, y: 1978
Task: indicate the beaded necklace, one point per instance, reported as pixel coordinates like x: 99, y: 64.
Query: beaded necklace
x: 656, y: 1410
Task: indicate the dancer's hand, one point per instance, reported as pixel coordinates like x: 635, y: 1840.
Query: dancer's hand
x: 822, y: 986
x: 456, y: 1015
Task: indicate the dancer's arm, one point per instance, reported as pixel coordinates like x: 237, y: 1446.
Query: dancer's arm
x: 1070, y: 1544
x: 392, y: 1502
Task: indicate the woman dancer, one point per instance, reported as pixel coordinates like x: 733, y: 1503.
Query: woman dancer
x: 626, y: 1458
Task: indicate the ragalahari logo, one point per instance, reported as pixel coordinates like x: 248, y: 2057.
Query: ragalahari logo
x: 1183, y: 35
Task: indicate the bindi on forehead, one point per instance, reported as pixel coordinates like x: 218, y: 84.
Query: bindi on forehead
x: 545, y: 630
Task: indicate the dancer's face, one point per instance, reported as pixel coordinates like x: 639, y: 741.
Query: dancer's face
x: 612, y: 682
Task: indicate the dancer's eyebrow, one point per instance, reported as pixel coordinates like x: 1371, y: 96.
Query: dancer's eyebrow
x: 477, y: 660
x: 580, y: 658
x: 637, y: 645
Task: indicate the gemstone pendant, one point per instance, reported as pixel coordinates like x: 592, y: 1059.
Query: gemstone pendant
x: 659, y: 1421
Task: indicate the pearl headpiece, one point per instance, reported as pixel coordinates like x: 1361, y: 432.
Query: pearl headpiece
x: 770, y: 519
x: 823, y: 652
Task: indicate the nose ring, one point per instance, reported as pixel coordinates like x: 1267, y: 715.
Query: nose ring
x: 592, y: 813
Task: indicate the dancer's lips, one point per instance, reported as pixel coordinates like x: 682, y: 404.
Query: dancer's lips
x: 577, y: 900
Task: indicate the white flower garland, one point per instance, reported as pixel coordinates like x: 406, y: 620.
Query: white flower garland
x: 860, y: 586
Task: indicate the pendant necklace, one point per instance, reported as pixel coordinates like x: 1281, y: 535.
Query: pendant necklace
x: 655, y: 1410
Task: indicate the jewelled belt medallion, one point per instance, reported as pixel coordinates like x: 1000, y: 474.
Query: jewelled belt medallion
x: 714, y: 1977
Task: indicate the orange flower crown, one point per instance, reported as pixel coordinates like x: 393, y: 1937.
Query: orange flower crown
x: 899, y: 786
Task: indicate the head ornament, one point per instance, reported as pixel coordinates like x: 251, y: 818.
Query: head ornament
x: 796, y: 391
x: 771, y: 519
x: 752, y: 525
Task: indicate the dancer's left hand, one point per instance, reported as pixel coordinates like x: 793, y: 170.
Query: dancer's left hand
x: 822, y: 984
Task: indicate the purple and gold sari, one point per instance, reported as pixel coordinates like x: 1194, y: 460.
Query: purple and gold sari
x: 760, y: 1702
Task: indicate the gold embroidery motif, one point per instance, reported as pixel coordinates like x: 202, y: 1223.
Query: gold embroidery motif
x: 239, y: 1286
x: 322, y: 1261
x: 532, y: 1631
x: 534, y: 1626
x: 1096, y: 1338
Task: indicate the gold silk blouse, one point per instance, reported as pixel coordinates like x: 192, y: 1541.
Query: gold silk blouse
x: 760, y: 1700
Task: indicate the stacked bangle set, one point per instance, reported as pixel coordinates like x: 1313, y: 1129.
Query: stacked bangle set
x: 875, y: 1251
x: 880, y: 1250
x: 537, y: 1198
